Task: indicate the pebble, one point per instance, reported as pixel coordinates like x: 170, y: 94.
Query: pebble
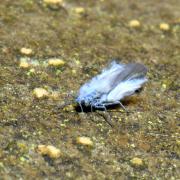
x: 164, y: 86
x: 134, y: 23
x: 32, y: 70
x: 137, y: 161
x: 49, y: 150
x: 26, y: 51
x: 79, y: 10
x: 86, y: 141
x: 77, y: 62
x: 24, y: 64
x: 53, y: 1
x: 55, y: 62
x: 69, y: 108
x: 74, y: 71
x: 40, y: 92
x: 164, y: 27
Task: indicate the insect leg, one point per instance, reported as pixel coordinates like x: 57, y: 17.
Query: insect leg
x: 104, y: 107
x: 107, y: 117
x: 91, y: 108
x: 119, y: 102
x: 81, y: 107
x: 116, y: 102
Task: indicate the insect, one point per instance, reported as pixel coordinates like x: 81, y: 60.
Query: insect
x: 111, y: 86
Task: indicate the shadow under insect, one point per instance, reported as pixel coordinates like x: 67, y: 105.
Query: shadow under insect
x: 87, y: 109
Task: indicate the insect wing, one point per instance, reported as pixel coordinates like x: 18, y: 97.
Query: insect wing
x: 125, y: 88
x: 102, y: 82
x: 130, y: 71
x: 127, y: 82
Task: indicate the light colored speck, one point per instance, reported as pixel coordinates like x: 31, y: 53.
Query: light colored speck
x: 53, y: 1
x: 84, y: 141
x: 1, y: 165
x: 49, y: 150
x: 164, y: 27
x: 26, y: 51
x: 150, y: 122
x: 77, y: 62
x: 24, y: 64
x: 164, y: 86
x: 32, y: 70
x: 134, y: 23
x: 55, y: 62
x: 133, y: 145
x: 22, y: 159
x: 40, y: 92
x: 178, y: 142
x: 137, y: 161
x: 74, y: 71
x: 79, y: 10
x: 69, y: 108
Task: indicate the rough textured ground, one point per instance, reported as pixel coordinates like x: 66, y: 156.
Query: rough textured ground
x: 87, y: 42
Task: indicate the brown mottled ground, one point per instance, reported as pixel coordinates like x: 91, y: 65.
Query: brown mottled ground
x: 87, y: 42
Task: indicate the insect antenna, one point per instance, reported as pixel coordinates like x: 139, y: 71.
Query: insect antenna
x: 91, y: 108
x: 126, y: 111
x: 106, y: 117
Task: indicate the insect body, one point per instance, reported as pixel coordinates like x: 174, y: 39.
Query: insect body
x: 112, y: 85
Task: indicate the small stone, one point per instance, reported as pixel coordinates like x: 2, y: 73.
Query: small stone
x: 79, y: 10
x: 84, y: 141
x: 164, y: 86
x: 40, y: 92
x: 49, y: 150
x: 77, y: 62
x: 26, y: 51
x: 137, y: 161
x: 164, y: 27
x: 69, y: 108
x: 24, y: 64
x: 42, y: 149
x: 134, y: 23
x: 53, y: 152
x: 32, y: 70
x: 22, y: 159
x: 133, y: 145
x: 74, y: 71
x: 54, y: 2
x: 56, y: 62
